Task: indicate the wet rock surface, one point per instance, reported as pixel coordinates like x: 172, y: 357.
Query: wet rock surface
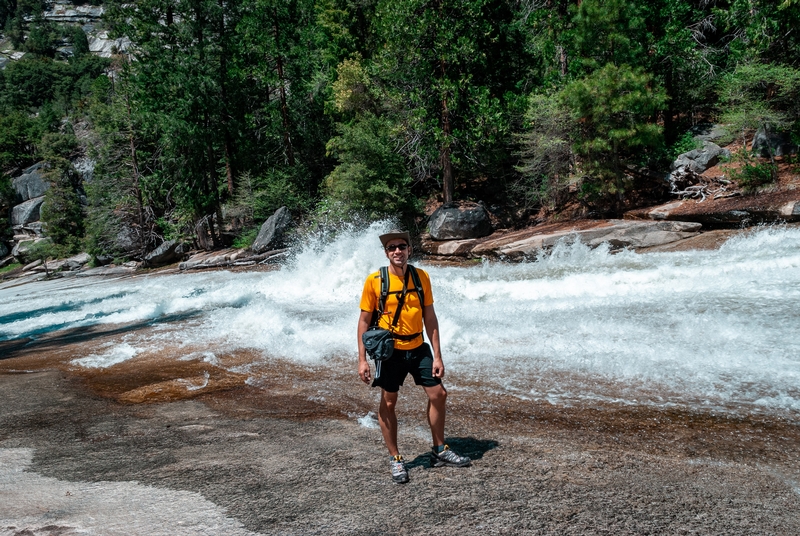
x: 529, y: 242
x: 287, y: 456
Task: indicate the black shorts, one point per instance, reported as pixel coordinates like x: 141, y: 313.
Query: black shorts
x: 390, y: 374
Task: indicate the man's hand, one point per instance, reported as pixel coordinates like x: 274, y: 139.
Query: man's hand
x: 363, y: 371
x: 438, y: 368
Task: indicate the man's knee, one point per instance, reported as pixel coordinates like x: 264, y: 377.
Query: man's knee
x: 437, y: 395
x: 388, y: 401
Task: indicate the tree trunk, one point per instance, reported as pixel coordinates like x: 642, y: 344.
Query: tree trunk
x: 223, y: 77
x: 135, y: 169
x: 447, y: 165
x: 287, y: 141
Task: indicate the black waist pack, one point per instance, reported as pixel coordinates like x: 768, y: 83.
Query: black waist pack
x: 379, y: 343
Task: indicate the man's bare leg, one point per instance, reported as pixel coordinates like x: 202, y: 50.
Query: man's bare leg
x: 437, y: 398
x: 387, y: 418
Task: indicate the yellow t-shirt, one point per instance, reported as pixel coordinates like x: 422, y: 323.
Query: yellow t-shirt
x: 410, y: 321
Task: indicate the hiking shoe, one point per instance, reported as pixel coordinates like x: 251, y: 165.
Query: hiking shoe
x: 399, y: 472
x: 449, y: 458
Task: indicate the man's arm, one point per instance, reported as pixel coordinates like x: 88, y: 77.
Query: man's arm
x: 363, y: 366
x: 432, y: 329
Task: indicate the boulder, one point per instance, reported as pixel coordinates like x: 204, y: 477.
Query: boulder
x: 85, y: 166
x: 30, y: 184
x: 126, y: 241
x: 27, y: 212
x: 272, y: 231
x: 779, y: 143
x: 699, y: 160
x: 709, y: 132
x: 5, y: 262
x: 76, y: 262
x: 459, y: 221
x: 167, y: 253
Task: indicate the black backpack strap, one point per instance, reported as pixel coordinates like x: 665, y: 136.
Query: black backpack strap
x: 376, y: 315
x: 417, y: 285
x: 401, y: 300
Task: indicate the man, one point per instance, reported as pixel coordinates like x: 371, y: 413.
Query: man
x: 411, y: 354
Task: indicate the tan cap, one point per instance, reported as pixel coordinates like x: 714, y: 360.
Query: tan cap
x: 394, y: 235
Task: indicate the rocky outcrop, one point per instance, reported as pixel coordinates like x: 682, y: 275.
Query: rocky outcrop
x: 232, y: 258
x: 699, y: 160
x: 30, y: 184
x: 103, y: 46
x: 738, y: 211
x: 272, y: 231
x: 777, y: 143
x: 67, y: 12
x: 167, y: 253
x: 459, y: 221
x: 528, y: 242
x: 27, y: 212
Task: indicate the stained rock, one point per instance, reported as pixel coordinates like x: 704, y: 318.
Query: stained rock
x: 30, y: 184
x: 528, y: 242
x: 27, y: 212
x: 777, y: 143
x: 459, y: 221
x: 272, y: 231
x: 699, y: 160
x: 167, y: 253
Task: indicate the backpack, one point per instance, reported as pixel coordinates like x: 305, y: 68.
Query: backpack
x: 379, y: 342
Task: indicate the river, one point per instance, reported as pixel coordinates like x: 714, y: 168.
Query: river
x: 710, y: 331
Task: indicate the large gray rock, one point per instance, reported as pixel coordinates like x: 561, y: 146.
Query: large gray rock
x: 699, y: 160
x: 458, y: 222
x: 710, y: 132
x: 27, y: 212
x: 167, y: 253
x: 742, y: 211
x: 30, y: 184
x: 616, y: 233
x: 272, y: 231
x: 126, y: 241
x: 779, y: 143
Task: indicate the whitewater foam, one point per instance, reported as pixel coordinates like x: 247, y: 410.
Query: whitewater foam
x: 693, y: 328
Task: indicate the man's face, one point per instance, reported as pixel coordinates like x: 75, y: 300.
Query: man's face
x: 397, y: 251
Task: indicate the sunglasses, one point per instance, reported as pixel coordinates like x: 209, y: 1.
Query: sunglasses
x: 401, y: 247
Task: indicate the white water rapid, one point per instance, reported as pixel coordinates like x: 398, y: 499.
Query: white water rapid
x: 712, y: 330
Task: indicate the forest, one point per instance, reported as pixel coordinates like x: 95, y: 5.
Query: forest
x: 218, y: 112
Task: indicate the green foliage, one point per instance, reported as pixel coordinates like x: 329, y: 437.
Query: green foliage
x: 610, y: 31
x: 245, y: 240
x: 80, y: 43
x: 43, y: 38
x: 545, y: 152
x: 62, y: 211
x: 11, y: 267
x: 614, y: 106
x: 760, y: 95
x: 684, y: 144
x: 17, y: 141
x: 370, y: 178
x: 752, y: 173
x: 46, y: 250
